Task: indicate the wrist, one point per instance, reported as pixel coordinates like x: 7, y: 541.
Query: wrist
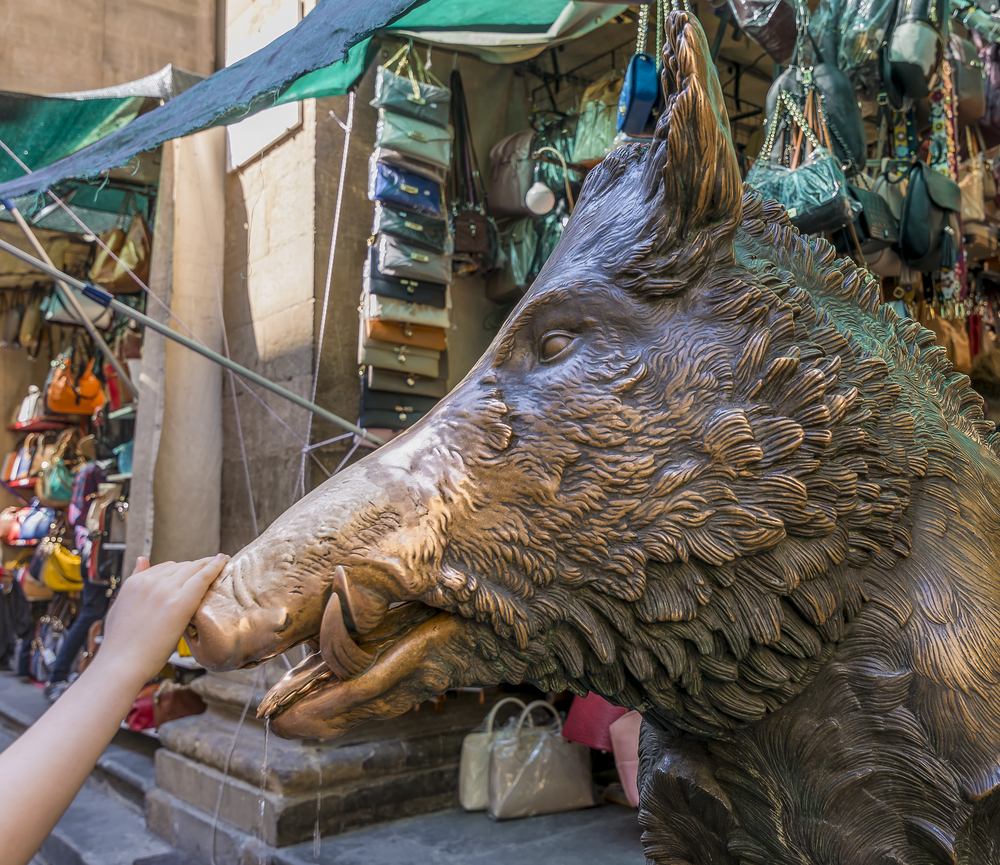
x: 117, y: 669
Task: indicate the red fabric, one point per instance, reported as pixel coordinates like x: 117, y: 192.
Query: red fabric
x: 588, y: 721
x: 140, y: 716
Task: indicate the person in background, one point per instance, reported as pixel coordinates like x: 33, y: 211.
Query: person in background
x: 42, y: 771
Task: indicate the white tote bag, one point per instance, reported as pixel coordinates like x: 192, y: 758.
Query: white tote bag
x: 473, y: 771
x: 534, y: 770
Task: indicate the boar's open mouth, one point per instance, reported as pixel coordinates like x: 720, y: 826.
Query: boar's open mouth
x: 367, y: 651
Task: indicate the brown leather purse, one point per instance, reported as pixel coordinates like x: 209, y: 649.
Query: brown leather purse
x: 472, y: 232
x: 404, y: 333
x: 68, y: 395
x: 132, y: 249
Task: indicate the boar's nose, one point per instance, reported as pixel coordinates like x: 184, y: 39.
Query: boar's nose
x: 223, y: 637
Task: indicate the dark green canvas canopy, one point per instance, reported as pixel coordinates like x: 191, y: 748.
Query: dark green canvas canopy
x: 324, y: 56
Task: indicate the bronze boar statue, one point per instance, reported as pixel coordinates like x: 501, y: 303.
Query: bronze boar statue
x: 702, y: 472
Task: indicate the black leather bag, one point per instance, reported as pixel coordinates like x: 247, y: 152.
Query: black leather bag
x: 412, y: 227
x: 840, y: 108
x: 416, y: 291
x: 392, y: 410
x: 405, y: 383
x: 927, y: 223
x: 876, y: 227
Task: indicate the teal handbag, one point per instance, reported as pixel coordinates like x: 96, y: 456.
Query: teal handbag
x: 55, y: 483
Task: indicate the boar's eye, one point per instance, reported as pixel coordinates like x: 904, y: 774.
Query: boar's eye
x: 555, y: 343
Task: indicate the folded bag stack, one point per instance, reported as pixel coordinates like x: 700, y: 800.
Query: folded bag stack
x: 405, y: 307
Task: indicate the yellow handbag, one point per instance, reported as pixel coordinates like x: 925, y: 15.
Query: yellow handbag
x: 62, y: 570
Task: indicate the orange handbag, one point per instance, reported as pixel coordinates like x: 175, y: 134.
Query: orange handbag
x: 404, y: 333
x: 68, y: 396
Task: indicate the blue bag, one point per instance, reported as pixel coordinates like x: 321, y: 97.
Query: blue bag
x: 394, y: 186
x: 639, y: 93
x: 35, y: 524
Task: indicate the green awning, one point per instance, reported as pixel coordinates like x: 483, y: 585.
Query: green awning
x: 324, y: 56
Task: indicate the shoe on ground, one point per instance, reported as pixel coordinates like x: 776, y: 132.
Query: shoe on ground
x: 54, y: 690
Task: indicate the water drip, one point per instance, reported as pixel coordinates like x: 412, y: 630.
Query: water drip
x: 319, y: 801
x: 263, y: 782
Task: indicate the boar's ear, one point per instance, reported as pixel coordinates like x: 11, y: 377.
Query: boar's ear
x: 692, y: 153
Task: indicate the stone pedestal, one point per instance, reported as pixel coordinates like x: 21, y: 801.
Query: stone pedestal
x: 380, y: 771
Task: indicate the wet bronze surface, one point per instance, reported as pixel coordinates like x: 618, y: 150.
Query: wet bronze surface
x: 704, y: 473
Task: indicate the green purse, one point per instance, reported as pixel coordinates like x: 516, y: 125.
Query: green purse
x: 55, y: 483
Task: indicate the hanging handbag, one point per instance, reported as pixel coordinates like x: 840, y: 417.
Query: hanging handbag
x: 513, y: 174
x: 392, y: 410
x: 390, y: 309
x: 769, y: 23
x: 434, y: 173
x: 416, y: 94
x: 916, y: 47
x: 50, y: 633
x: 641, y: 85
x: 402, y: 333
x: 32, y: 405
x: 55, y: 482
x: 386, y: 285
x: 386, y: 355
x: 875, y: 227
x: 394, y: 186
x: 598, y: 122
x: 12, y: 327
x: 31, y: 325
x: 66, y: 393
x: 22, y: 461
x: 132, y: 249
x: 45, y: 450
x: 518, y: 245
x: 968, y: 82
x: 56, y: 310
x: 989, y: 55
x: 814, y: 192
x: 405, y: 261
x: 839, y: 102
x: 474, y: 765
x: 534, y: 770
x: 414, y: 138
x: 32, y: 523
x: 62, y: 570
x: 927, y: 221
x: 412, y: 227
x: 405, y: 383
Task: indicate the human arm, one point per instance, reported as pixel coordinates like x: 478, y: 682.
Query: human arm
x: 42, y: 771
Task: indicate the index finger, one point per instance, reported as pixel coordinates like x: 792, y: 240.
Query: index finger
x: 197, y: 583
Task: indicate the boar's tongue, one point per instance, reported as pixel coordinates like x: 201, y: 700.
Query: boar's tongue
x: 305, y: 675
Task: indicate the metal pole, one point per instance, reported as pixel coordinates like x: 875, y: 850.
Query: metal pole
x: 99, y: 295
x: 70, y: 299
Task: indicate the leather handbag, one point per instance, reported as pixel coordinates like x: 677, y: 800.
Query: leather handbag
x: 62, y: 570
x: 402, y: 333
x: 980, y: 241
x: 414, y: 138
x: 968, y: 82
x: 927, y: 221
x: 390, y: 309
x: 474, y: 765
x: 32, y: 523
x: 412, y: 94
x: 472, y: 232
x: 875, y: 226
x: 513, y: 174
x: 534, y: 770
x: 589, y: 719
x: 132, y: 249
x: 406, y: 261
x: 407, y: 358
x: 413, y: 228
x: 392, y: 410
x: 405, y: 383
x: 395, y: 186
x: 55, y: 484
x: 172, y: 701
x: 32, y: 405
x: 769, y: 23
x: 44, y: 452
x: 386, y: 285
x: 67, y: 394
x: 641, y: 86
x: 22, y: 460
x: 434, y: 173
x: 840, y: 109
x: 916, y: 47
x: 56, y: 311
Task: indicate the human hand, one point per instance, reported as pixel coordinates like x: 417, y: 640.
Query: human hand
x: 151, y: 612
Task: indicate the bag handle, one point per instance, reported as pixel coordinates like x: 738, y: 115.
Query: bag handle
x: 538, y: 704
x: 496, y: 706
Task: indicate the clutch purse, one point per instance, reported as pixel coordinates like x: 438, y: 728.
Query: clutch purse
x: 406, y: 334
x: 408, y: 358
x: 386, y: 285
x: 403, y: 94
x: 406, y: 163
x: 391, y: 309
x: 404, y: 382
x: 406, y: 261
x: 414, y: 138
x: 392, y: 410
x: 392, y: 185
x: 414, y: 228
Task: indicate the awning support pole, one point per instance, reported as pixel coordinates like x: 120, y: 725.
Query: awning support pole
x: 70, y: 299
x: 99, y: 295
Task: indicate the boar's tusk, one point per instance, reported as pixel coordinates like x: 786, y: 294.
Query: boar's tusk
x: 342, y: 655
x: 365, y: 612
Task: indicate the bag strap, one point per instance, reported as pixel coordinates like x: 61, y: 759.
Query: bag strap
x: 535, y: 705
x: 493, y: 712
x: 640, y: 36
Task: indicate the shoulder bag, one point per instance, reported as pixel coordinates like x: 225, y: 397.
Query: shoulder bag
x: 404, y: 383
x: 406, y: 261
x: 474, y: 766
x: 416, y: 94
x: 875, y: 227
x: 31, y: 325
x: 392, y: 410
x: 402, y: 333
x: 916, y: 47
x: 414, y: 138
x: 402, y: 188
x: 412, y: 227
x: 390, y: 309
x: 66, y: 393
x: 926, y: 224
x: 406, y: 358
x: 401, y: 288
x: 641, y: 86
x: 513, y: 174
x: 769, y: 23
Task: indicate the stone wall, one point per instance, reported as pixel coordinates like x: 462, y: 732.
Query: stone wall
x: 53, y: 46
